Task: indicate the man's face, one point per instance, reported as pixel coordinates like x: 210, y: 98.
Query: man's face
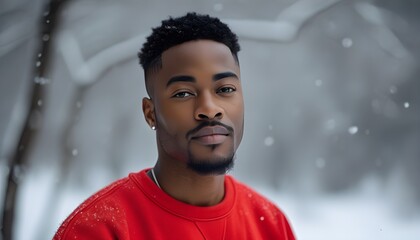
x: 198, y: 105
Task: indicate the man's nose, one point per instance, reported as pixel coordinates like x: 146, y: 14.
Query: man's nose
x: 208, y: 108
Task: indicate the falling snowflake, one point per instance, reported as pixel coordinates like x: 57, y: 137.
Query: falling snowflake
x: 42, y: 80
x: 74, y: 152
x: 353, y: 130
x: 269, y: 141
x: 318, y: 82
x: 393, y: 89
x: 347, y: 42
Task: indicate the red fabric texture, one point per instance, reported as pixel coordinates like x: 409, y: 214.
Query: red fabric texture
x: 135, y: 208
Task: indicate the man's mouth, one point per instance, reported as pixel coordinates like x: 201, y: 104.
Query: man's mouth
x: 211, y: 135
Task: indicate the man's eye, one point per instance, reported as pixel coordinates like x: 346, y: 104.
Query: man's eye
x: 226, y: 90
x: 182, y: 95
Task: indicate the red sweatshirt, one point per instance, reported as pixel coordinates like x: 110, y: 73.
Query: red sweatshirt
x: 136, y: 208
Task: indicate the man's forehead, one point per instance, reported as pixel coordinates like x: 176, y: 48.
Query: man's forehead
x: 197, y: 49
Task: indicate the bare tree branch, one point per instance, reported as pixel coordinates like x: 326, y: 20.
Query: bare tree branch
x: 33, y: 121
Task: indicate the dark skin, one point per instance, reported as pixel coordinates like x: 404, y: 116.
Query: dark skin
x: 199, y: 82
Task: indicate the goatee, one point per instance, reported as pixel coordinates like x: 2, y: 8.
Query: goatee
x: 211, y: 166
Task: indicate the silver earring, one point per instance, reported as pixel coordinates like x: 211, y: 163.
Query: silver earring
x: 153, y: 128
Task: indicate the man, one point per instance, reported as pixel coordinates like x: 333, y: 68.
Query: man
x: 196, y: 107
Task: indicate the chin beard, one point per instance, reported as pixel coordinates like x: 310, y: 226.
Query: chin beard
x: 216, y: 166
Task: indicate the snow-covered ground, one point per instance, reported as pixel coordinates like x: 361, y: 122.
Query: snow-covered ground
x: 352, y: 215
x: 362, y: 214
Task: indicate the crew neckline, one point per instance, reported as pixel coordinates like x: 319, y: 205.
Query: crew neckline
x: 181, y: 209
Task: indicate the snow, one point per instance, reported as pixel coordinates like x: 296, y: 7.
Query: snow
x: 347, y: 42
x: 353, y: 130
x: 318, y: 82
x: 269, y: 141
x: 351, y: 215
x: 362, y: 214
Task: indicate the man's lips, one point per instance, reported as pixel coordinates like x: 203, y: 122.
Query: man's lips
x: 211, y: 135
x: 210, y: 130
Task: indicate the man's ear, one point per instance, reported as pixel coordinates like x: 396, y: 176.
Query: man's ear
x: 149, y: 112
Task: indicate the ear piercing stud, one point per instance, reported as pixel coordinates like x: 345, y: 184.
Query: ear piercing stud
x: 153, y: 128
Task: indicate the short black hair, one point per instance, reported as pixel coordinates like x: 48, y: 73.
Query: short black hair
x: 175, y: 31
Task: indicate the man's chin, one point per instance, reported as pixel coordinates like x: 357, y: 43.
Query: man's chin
x: 211, y: 167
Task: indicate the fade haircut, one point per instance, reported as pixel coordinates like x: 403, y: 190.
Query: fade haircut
x: 175, y: 31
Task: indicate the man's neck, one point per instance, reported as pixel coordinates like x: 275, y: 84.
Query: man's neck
x: 188, y: 186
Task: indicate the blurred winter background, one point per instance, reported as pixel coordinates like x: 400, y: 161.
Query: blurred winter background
x: 332, y: 108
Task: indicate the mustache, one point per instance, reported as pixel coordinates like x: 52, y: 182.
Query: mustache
x: 208, y: 124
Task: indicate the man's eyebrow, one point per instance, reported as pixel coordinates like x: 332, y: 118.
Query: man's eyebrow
x: 182, y: 78
x: 222, y: 75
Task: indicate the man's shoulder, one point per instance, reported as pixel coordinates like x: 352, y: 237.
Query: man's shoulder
x: 97, y: 208
x: 109, y: 192
x: 248, y: 195
x: 257, y: 210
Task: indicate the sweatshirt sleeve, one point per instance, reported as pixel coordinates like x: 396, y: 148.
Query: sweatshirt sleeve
x: 85, y: 230
x: 100, y: 217
x: 287, y: 229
